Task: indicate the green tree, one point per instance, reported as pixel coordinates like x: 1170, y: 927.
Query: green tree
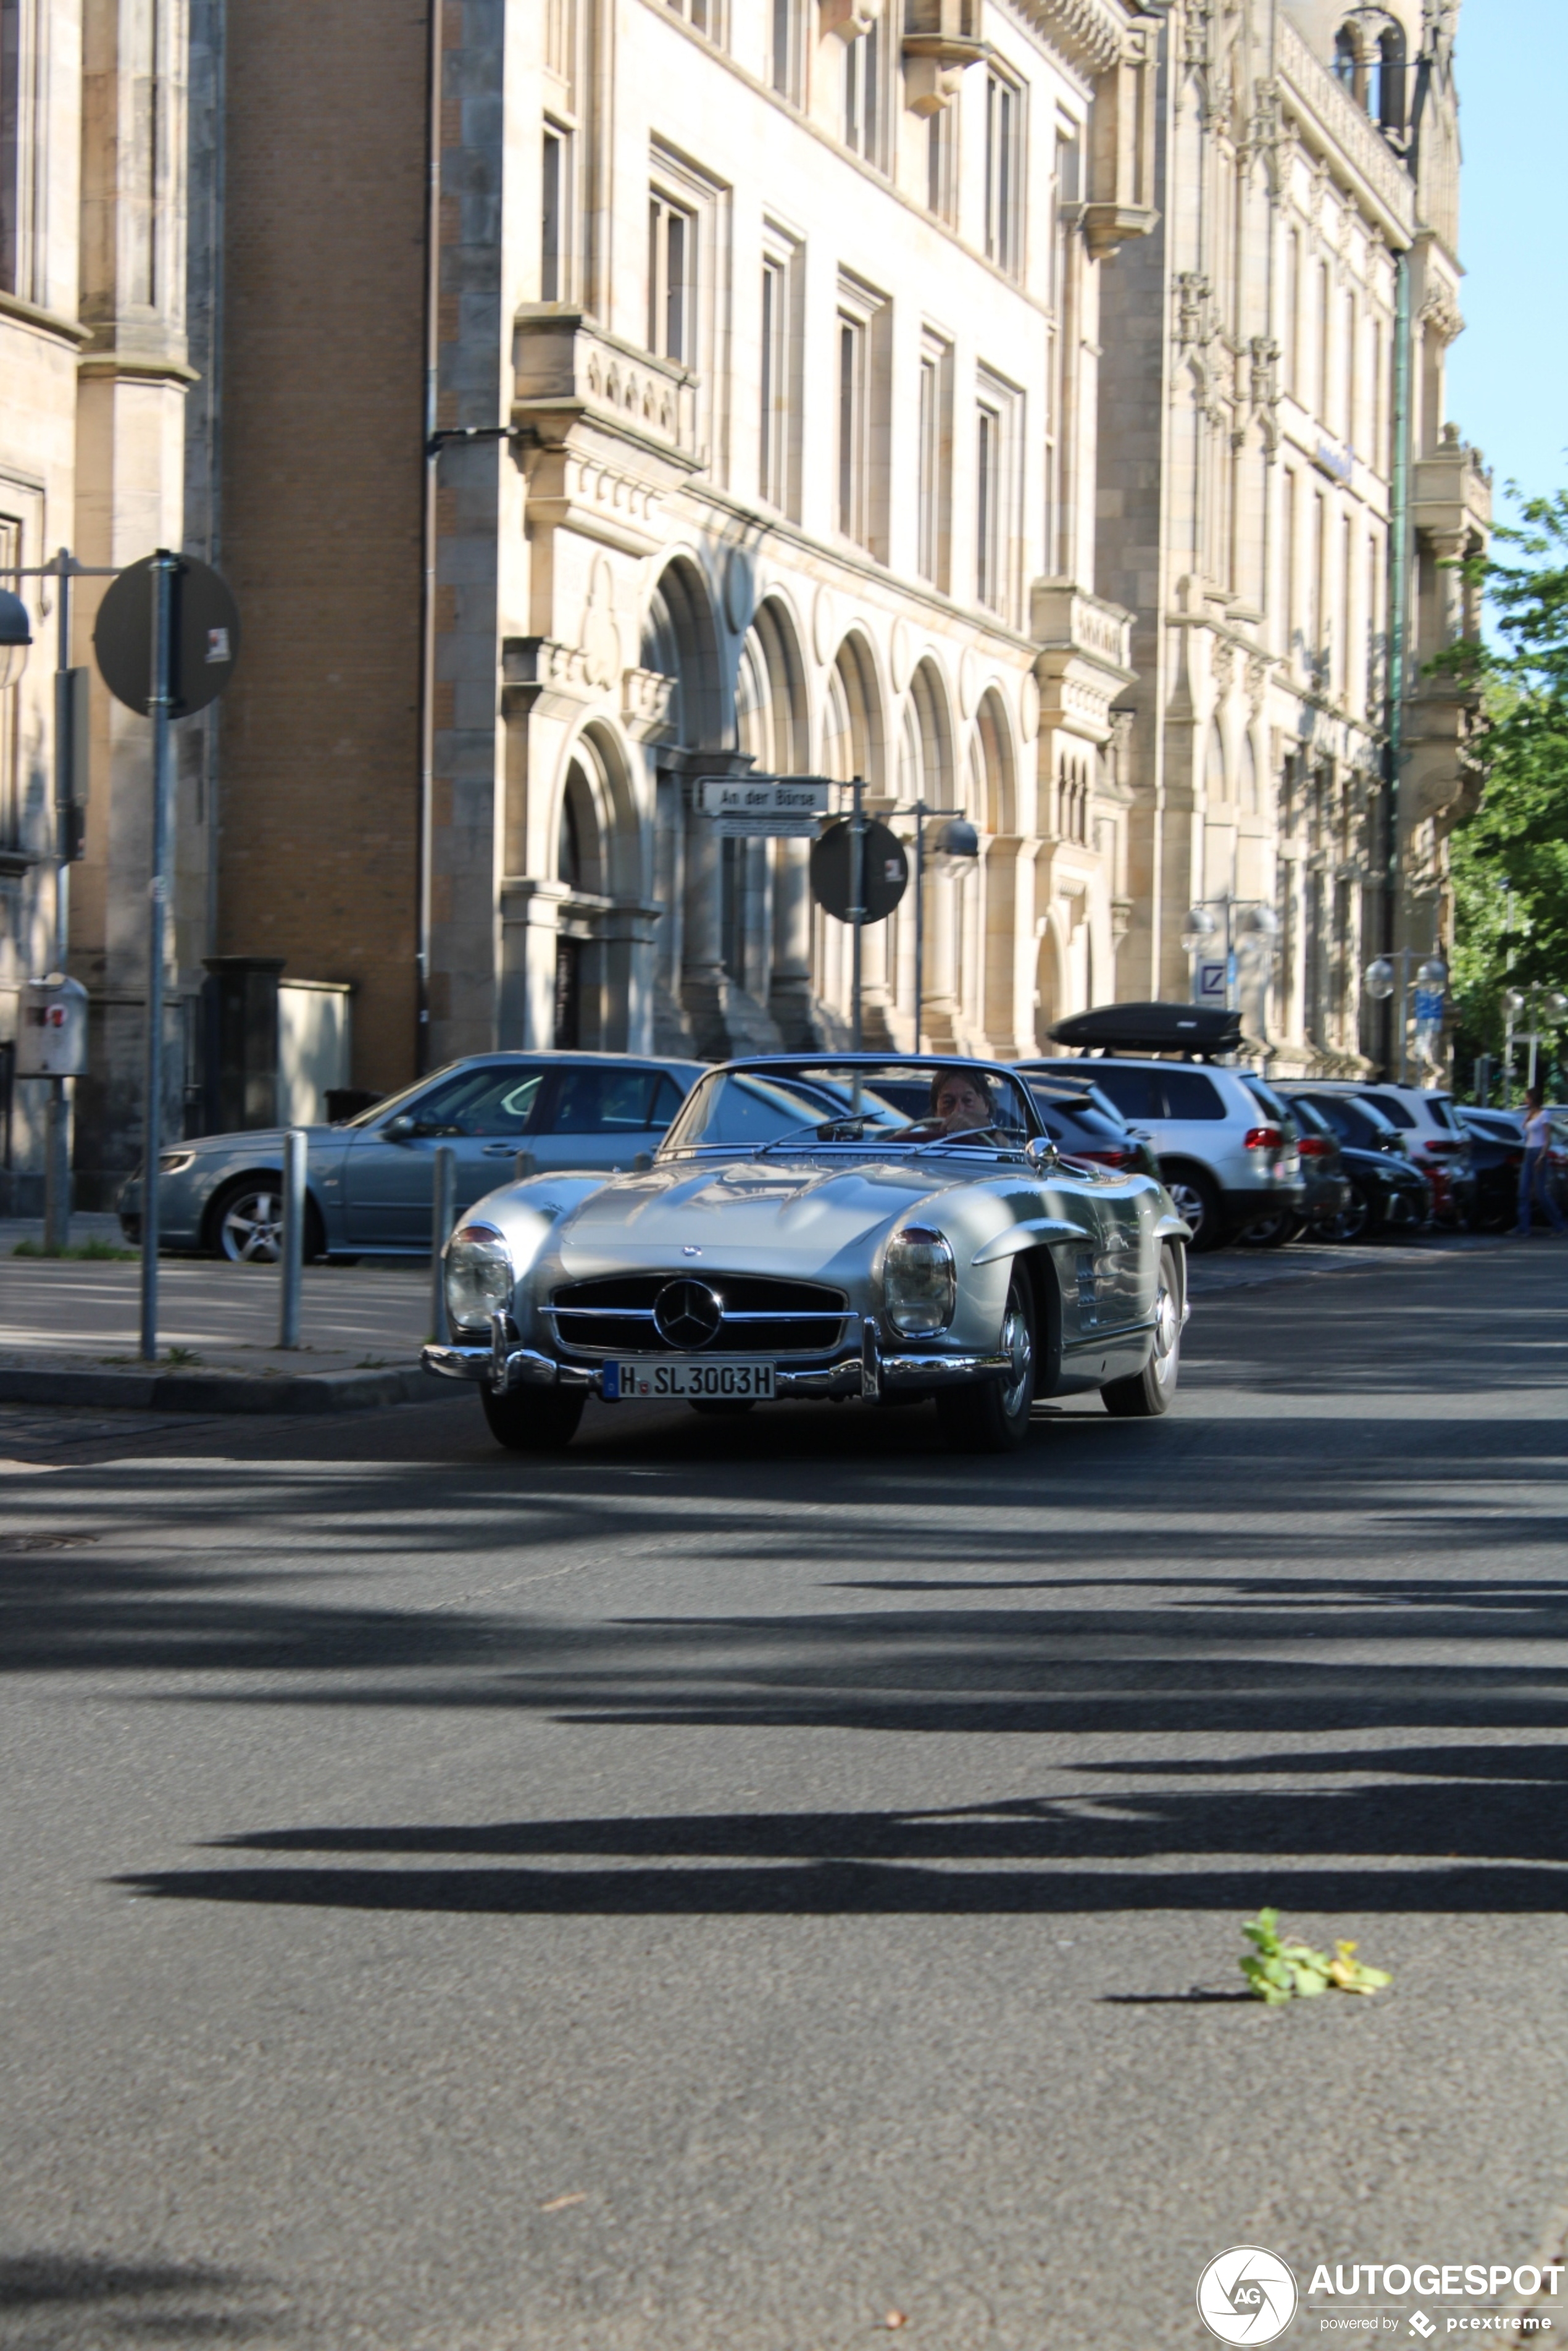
x: 1510, y: 858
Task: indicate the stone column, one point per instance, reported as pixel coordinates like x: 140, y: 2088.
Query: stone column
x: 531, y: 919
x: 129, y: 498
x: 789, y: 990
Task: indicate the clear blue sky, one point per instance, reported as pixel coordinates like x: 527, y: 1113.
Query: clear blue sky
x: 1508, y: 372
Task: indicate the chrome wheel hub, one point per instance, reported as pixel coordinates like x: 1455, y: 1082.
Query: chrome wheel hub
x: 1019, y: 1353
x: 253, y: 1229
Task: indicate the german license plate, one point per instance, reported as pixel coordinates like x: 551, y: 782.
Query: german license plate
x: 682, y: 1377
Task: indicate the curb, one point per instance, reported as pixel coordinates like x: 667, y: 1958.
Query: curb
x: 220, y: 1391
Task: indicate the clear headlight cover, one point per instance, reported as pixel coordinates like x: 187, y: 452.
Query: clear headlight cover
x: 174, y: 1163
x: 479, y: 1277
x: 919, y: 1282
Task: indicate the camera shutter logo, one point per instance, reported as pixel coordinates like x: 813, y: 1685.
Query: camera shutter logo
x: 1246, y: 2295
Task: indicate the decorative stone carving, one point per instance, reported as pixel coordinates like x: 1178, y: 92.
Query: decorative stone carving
x: 645, y: 698
x: 601, y: 637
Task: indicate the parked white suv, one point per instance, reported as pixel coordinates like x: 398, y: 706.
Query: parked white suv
x: 1225, y: 1142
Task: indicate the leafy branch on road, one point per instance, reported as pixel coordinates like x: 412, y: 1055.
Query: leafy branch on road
x: 1278, y: 1970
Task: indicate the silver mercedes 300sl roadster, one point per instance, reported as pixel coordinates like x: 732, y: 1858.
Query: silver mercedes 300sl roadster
x: 824, y: 1225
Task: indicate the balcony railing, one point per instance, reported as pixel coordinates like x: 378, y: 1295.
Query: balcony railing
x: 1340, y: 120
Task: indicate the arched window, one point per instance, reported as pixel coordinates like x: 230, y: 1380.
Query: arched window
x: 1346, y: 56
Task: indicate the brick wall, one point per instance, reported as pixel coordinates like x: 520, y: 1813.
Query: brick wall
x: 322, y: 422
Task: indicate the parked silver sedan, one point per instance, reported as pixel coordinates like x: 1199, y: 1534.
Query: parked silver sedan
x: 825, y: 1226
x: 371, y: 1180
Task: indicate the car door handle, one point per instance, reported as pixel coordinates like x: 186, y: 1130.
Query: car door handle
x: 499, y: 1151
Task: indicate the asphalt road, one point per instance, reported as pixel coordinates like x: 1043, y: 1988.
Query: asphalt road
x: 743, y: 1882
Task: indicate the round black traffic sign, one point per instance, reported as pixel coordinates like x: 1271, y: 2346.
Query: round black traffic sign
x: 885, y: 870
x: 203, y: 636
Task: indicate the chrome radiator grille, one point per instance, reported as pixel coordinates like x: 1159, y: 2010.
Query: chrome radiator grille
x: 614, y: 1315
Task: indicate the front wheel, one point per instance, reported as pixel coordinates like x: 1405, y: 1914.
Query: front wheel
x: 994, y: 1417
x: 1152, y: 1391
x: 1272, y: 1232
x: 533, y: 1420
x: 1357, y: 1220
x: 246, y: 1223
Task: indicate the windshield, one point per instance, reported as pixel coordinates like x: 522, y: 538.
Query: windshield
x: 907, y: 1104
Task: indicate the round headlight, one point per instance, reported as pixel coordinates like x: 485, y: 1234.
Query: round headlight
x: 479, y: 1277
x: 919, y: 1283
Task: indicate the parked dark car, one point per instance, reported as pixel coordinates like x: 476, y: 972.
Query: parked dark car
x: 1326, y: 1187
x: 1497, y: 1155
x: 1387, y: 1191
x: 1085, y: 1123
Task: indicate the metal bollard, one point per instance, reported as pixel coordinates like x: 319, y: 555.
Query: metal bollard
x: 293, y: 1264
x: 443, y: 1212
x: 523, y: 1166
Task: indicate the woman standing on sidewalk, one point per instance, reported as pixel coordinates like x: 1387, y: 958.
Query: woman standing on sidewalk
x: 1532, y: 1186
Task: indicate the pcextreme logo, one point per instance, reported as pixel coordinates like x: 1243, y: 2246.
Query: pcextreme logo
x: 1246, y: 2295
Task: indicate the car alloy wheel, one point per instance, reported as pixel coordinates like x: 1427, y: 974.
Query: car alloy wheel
x: 1353, y: 1220
x: 1152, y: 1391
x: 250, y: 1225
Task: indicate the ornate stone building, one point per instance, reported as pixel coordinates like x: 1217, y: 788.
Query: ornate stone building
x: 1033, y: 407
x: 93, y: 374
x: 1278, y: 486
x: 790, y: 311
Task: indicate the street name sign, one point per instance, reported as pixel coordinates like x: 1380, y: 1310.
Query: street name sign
x: 786, y: 808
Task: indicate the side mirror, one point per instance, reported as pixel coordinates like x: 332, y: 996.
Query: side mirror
x: 399, y: 1129
x: 643, y: 1162
x: 1041, y: 1152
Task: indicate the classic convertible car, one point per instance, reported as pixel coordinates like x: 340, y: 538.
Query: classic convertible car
x: 824, y: 1225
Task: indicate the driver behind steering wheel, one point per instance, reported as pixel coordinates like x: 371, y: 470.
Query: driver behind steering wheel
x: 960, y: 1104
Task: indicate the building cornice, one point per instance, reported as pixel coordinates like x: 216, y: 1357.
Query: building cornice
x: 1091, y: 33
x: 46, y: 322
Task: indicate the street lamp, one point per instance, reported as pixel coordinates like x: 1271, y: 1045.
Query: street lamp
x: 1248, y: 927
x: 1198, y: 930
x: 15, y: 636
x: 1387, y: 972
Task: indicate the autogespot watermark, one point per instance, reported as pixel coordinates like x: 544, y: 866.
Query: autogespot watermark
x: 1249, y: 2294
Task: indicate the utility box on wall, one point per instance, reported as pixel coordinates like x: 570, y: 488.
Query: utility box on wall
x: 314, y: 1049
x: 240, y: 1088
x: 51, y: 1037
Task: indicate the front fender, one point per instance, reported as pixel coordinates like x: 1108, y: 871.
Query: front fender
x: 1034, y: 1232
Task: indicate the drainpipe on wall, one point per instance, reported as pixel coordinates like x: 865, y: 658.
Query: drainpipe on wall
x: 432, y: 452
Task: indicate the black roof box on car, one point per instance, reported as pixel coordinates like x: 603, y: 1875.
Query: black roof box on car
x: 1197, y: 1029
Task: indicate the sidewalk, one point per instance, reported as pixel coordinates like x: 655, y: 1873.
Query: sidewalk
x: 68, y: 1332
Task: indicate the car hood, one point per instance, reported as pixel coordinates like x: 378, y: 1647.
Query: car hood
x: 746, y: 1213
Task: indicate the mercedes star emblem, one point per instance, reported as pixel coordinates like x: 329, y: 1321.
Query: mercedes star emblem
x: 687, y: 1313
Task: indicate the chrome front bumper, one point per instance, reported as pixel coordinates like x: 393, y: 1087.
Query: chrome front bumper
x: 865, y: 1373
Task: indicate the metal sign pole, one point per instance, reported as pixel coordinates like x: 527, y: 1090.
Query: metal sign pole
x: 295, y: 1148
x: 442, y: 1217
x: 1404, y: 992
x: 857, y: 896
x: 919, y: 926
x: 57, y: 1159
x: 164, y: 566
